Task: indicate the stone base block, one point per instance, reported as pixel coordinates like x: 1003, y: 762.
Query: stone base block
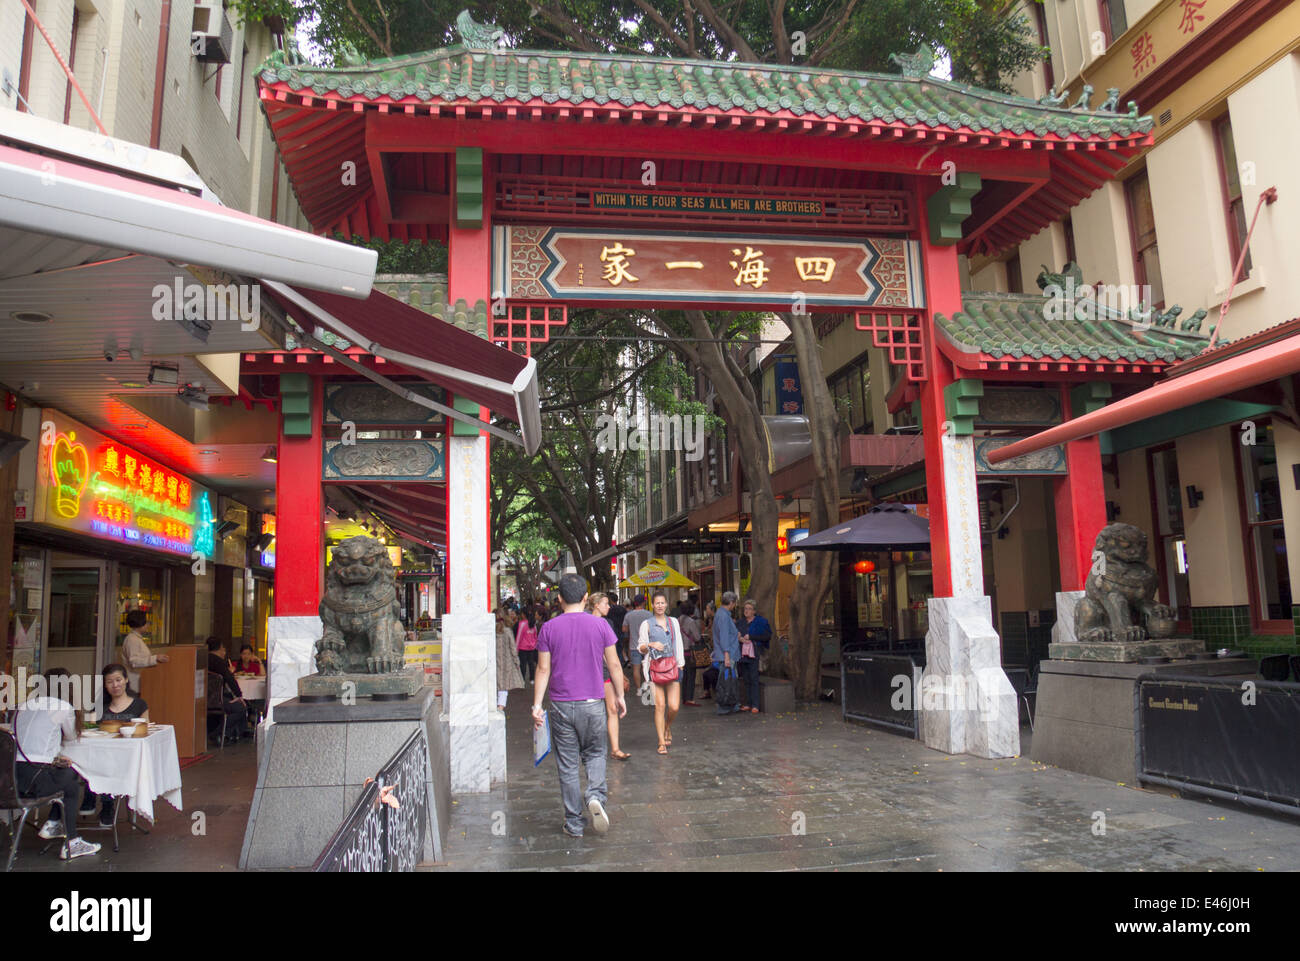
x: 313, y: 765
x: 1083, y: 719
x: 968, y: 705
x: 407, y: 683
x: 1066, y: 603
x: 291, y: 654
x: 1125, y: 652
x: 775, y: 696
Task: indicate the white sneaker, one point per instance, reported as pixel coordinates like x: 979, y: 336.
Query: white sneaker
x: 52, y: 829
x: 599, y: 819
x: 78, y: 848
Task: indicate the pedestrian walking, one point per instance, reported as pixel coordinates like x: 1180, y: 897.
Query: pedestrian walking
x: 755, y: 633
x: 526, y: 642
x: 660, y: 642
x: 509, y: 675
x: 570, y: 650
x: 710, y: 674
x: 691, y: 642
x: 615, y: 617
x: 598, y: 604
x: 726, y: 644
x: 632, y: 628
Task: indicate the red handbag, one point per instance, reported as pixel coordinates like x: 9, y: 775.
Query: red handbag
x: 664, y: 670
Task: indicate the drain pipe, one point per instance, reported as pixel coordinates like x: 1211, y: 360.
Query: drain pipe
x: 160, y: 74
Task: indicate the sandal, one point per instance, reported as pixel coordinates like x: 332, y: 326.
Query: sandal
x: 663, y: 748
x: 668, y: 738
x: 620, y: 755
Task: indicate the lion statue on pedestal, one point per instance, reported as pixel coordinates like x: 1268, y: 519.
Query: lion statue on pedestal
x: 1120, y: 592
x: 362, y: 626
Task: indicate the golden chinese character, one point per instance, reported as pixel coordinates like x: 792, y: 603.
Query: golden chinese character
x: 159, y: 483
x: 615, y: 260
x: 693, y: 264
x: 146, y: 477
x: 130, y: 468
x: 815, y: 268
x: 751, y: 270
x: 183, y: 493
x: 110, y: 461
x: 171, y: 487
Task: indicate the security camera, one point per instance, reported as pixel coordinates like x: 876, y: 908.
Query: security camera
x: 110, y: 355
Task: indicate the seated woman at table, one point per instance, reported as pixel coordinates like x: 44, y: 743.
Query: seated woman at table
x: 248, y: 662
x: 40, y: 726
x: 120, y: 704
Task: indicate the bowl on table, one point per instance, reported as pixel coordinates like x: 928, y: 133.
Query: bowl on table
x: 141, y: 729
x: 110, y: 727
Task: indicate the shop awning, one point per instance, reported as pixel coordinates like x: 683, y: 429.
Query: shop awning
x: 155, y: 211
x: 466, y: 365
x: 1279, y: 359
x: 884, y: 527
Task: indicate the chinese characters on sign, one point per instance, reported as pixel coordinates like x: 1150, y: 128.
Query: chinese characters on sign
x: 1144, y: 53
x: 90, y: 483
x: 540, y: 263
x: 1191, y: 15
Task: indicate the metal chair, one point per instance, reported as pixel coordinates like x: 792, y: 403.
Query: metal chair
x: 1275, y: 667
x: 215, y: 705
x: 11, y: 800
x: 1031, y: 690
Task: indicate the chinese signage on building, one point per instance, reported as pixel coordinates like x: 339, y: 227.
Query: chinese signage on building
x: 789, y: 394
x: 549, y: 263
x: 91, y: 484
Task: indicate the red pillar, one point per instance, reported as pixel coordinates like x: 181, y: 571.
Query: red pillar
x: 300, y: 517
x: 1080, y: 506
x: 943, y: 296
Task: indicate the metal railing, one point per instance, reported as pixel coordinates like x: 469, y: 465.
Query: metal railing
x: 376, y: 836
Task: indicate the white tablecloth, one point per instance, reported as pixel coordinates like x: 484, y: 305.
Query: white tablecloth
x: 253, y: 688
x: 141, y: 768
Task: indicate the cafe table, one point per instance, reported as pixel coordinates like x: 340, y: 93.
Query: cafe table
x: 252, y: 686
x: 135, y: 769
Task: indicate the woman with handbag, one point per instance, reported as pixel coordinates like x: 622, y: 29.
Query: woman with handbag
x: 660, y: 641
x: 694, y: 647
x: 598, y: 605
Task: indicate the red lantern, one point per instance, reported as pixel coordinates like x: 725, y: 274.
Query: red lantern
x: 864, y: 567
x: 782, y: 543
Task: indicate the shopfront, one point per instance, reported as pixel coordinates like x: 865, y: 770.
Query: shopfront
x: 102, y: 530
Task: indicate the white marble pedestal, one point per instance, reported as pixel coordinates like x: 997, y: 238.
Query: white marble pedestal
x: 1063, y: 629
x: 290, y: 654
x: 477, y: 728
x: 967, y: 704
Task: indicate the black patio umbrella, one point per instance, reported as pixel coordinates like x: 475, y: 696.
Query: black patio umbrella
x: 889, y: 527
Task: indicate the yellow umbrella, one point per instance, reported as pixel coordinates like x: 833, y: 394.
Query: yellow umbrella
x: 657, y: 574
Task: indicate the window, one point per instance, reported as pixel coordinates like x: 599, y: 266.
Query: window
x: 1070, y: 256
x: 239, y: 109
x: 72, y: 64
x: 1040, y: 21
x: 1170, y: 542
x: 1142, y: 226
x: 1230, y: 179
x: 850, y: 388
x: 1266, y: 557
x: 1113, y: 20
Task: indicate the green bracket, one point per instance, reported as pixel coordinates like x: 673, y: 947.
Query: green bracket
x: 458, y: 427
x: 295, y: 404
x: 961, y: 405
x: 949, y: 206
x: 1088, y: 397
x: 469, y: 187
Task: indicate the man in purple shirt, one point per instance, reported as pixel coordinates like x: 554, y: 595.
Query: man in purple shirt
x: 570, y: 649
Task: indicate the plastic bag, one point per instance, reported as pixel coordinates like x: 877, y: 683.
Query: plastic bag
x: 727, y: 692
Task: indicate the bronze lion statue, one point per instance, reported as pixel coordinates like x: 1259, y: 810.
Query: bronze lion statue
x: 362, y: 627
x: 1120, y: 591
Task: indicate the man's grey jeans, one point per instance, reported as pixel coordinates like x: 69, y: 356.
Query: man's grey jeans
x: 578, y: 733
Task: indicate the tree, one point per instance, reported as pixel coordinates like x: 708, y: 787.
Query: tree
x: 984, y: 46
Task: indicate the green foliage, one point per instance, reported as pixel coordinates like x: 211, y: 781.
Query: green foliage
x: 986, y: 47
x: 404, y: 257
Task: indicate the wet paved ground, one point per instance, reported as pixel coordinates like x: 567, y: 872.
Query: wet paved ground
x: 734, y: 791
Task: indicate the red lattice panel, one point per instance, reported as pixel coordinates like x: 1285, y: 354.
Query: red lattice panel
x: 527, y: 324
x: 902, y: 335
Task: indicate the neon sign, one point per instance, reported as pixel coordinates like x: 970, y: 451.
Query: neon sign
x: 89, y: 483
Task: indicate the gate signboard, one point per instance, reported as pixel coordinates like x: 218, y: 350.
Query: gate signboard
x: 573, y: 264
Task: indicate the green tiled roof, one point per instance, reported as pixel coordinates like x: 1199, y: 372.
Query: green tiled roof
x: 456, y: 74
x: 1016, y: 326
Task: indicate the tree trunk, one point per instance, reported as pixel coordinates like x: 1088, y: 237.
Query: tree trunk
x: 811, y: 588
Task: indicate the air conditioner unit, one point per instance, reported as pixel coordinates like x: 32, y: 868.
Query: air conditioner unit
x: 211, y: 36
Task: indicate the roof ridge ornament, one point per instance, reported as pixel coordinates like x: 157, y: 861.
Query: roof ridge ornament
x: 1111, y: 103
x: 915, y: 66
x: 1084, y: 98
x: 478, y: 36
x: 1051, y: 99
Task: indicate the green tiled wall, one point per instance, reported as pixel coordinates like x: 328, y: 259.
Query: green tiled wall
x: 1022, y: 644
x: 1221, y: 626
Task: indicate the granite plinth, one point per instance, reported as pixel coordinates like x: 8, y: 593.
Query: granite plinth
x: 408, y: 682
x: 1083, y: 718
x: 1125, y: 652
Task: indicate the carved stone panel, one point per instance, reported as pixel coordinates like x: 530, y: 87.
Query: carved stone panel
x: 396, y: 460
x: 1015, y: 407
x: 1050, y: 460
x: 372, y: 405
